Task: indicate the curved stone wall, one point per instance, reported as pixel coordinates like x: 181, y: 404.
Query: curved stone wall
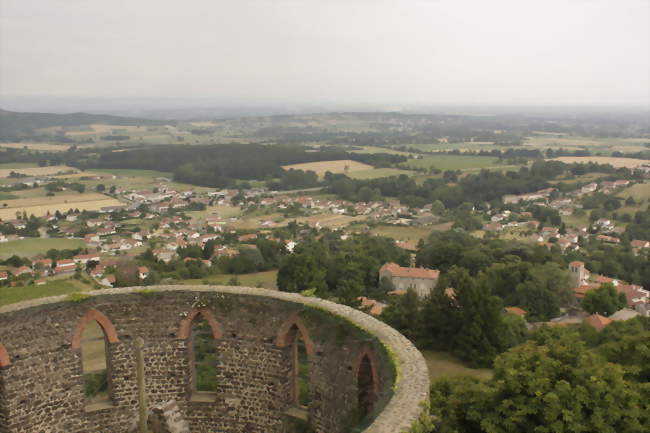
x: 41, y: 387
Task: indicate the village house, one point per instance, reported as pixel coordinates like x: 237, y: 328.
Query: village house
x: 65, y: 266
x: 83, y: 259
x: 143, y: 272
x: 421, y: 280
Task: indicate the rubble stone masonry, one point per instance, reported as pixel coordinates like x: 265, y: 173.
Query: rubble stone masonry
x: 41, y: 387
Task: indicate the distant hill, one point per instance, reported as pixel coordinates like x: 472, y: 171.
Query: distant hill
x: 13, y: 124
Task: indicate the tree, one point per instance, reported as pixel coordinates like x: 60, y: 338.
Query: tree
x: 550, y: 384
x: 403, y: 314
x: 604, y: 300
x: 100, y: 187
x: 126, y: 274
x: 300, y: 272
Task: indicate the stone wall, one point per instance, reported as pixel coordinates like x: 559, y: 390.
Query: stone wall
x: 41, y: 389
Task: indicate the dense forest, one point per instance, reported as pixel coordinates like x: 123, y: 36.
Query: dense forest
x: 220, y: 165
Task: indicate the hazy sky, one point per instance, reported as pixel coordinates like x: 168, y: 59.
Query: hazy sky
x: 329, y: 51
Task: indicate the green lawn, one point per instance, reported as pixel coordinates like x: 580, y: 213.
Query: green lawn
x: 443, y: 364
x: 376, y: 173
x: 452, y: 162
x: 32, y: 246
x: 9, y: 295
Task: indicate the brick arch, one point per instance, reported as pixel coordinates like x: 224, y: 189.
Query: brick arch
x: 99, y: 317
x: 186, y: 323
x: 4, y: 357
x: 285, y: 338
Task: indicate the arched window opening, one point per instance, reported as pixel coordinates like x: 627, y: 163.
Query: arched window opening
x: 204, y: 356
x: 299, y: 368
x: 94, y: 363
x: 365, y: 386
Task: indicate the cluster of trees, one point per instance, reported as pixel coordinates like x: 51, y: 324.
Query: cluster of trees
x: 561, y: 380
x: 459, y: 316
x: 486, y: 186
x: 339, y: 269
x: 616, y: 261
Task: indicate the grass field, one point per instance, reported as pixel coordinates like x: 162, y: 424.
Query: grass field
x: 331, y: 220
x: 443, y: 364
x: 37, y: 171
x: 451, y: 162
x: 264, y: 279
x: 32, y: 246
x: 10, y: 295
x: 402, y: 233
x: 376, y: 173
x: 340, y: 166
x: 40, y: 206
x: 12, y: 165
x: 615, y: 162
x: 7, y: 196
x: 640, y: 192
x: 152, y: 174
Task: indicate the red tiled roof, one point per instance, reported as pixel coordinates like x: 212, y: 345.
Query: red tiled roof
x: 581, y: 291
x: 399, y: 271
x: 516, y: 310
x: 597, y: 321
x: 577, y: 264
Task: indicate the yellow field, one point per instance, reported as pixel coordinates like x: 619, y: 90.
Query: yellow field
x: 36, y: 146
x: 37, y: 171
x: 616, y: 162
x: 104, y: 129
x: 40, y: 206
x: 320, y: 168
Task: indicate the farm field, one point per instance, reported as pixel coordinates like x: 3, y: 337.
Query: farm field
x: 37, y: 171
x: 7, y: 196
x: 10, y: 295
x: 377, y: 149
x: 376, y: 173
x: 437, y: 147
x: 443, y: 364
x: 40, y: 206
x: 604, y: 145
x: 452, y: 162
x: 29, y: 247
x: 46, y: 147
x: 615, y: 162
x: 340, y: 166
